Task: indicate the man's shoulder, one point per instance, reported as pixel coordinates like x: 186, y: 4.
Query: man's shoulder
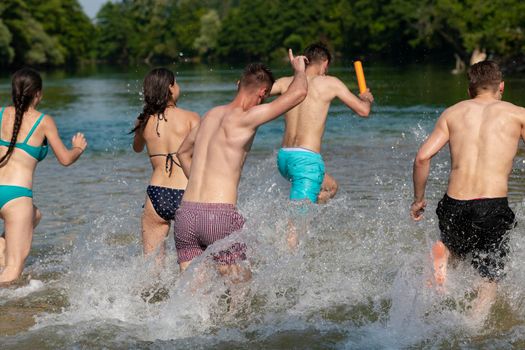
x: 325, y: 79
x: 509, y: 106
x: 457, y: 107
x: 228, y: 114
x: 499, y: 104
x: 509, y: 109
x: 216, y: 110
x: 327, y: 83
x: 503, y: 108
x: 460, y: 104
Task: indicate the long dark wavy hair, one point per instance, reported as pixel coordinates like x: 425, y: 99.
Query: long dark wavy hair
x: 156, y: 90
x: 26, y: 83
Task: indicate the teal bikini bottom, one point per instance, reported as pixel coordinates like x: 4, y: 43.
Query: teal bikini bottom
x: 8, y: 193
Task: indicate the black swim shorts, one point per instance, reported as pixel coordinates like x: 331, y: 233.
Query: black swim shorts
x: 478, y: 229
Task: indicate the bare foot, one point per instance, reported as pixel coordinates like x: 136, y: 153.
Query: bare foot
x: 2, y: 251
x: 440, y: 255
x: 17, y: 282
x: 323, y: 197
x: 9, y: 275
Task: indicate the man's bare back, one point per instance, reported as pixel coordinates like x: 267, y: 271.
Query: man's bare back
x: 221, y: 146
x: 484, y: 136
x: 305, y: 123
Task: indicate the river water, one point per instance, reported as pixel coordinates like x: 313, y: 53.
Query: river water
x: 357, y: 281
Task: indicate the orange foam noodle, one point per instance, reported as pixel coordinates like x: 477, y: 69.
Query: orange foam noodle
x: 358, y: 66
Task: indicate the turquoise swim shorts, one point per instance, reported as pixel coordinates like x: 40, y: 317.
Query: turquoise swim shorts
x: 304, y: 169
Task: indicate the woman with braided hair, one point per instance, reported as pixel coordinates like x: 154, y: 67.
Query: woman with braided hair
x: 161, y: 127
x: 24, y: 137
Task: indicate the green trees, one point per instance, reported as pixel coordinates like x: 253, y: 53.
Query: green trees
x: 461, y: 27
x: 148, y: 30
x: 7, y: 53
x: 394, y: 29
x: 57, y: 32
x: 210, y: 26
x: 52, y: 32
x: 65, y: 21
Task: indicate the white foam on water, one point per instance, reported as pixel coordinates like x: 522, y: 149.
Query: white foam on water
x: 10, y: 293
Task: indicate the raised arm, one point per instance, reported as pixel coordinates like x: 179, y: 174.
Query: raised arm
x: 64, y: 155
x: 185, y: 152
x: 361, y: 105
x: 435, y: 142
x: 280, y: 86
x: 294, y: 95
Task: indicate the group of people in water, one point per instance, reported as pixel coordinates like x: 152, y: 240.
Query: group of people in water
x: 197, y: 163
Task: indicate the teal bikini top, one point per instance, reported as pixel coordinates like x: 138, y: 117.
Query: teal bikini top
x: 37, y: 152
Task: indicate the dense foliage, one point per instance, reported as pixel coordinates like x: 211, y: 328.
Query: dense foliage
x: 51, y: 32
x: 57, y: 32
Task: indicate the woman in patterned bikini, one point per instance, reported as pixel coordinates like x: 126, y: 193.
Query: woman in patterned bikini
x: 161, y: 127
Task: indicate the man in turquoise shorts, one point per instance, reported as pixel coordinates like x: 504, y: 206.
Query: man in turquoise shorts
x: 299, y: 160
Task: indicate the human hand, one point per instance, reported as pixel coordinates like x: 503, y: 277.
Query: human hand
x: 417, y: 209
x: 367, y: 96
x: 79, y: 141
x: 298, y: 62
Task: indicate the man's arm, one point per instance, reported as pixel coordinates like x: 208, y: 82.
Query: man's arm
x: 435, y: 142
x: 185, y: 152
x: 361, y: 105
x: 294, y: 95
x: 280, y: 85
x: 521, y: 112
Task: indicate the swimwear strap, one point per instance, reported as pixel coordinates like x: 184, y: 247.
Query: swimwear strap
x: 159, y: 118
x: 169, y: 161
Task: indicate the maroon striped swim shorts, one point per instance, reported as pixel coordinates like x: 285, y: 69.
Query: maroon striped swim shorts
x: 198, y: 225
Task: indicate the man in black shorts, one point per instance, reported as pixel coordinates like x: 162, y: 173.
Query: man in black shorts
x: 474, y: 217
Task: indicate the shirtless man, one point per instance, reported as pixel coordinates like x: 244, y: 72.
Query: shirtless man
x: 215, y: 154
x: 299, y: 160
x: 474, y: 216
